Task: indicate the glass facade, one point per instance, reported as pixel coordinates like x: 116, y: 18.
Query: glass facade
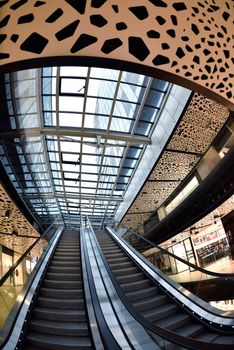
x: 74, y: 137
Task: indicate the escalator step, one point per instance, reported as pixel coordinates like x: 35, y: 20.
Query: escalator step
x: 160, y: 312
x: 55, y: 314
x: 222, y: 339
x: 60, y: 303
x: 59, y: 328
x: 138, y: 285
x: 207, y: 336
x: 129, y: 270
x: 63, y: 269
x: 63, y: 276
x: 65, y: 258
x: 191, y: 330
x: 62, y: 263
x: 174, y: 321
x: 65, y: 248
x: 122, y: 265
x: 56, y: 342
x: 116, y: 255
x: 141, y: 294
x: 109, y: 250
x: 66, y: 255
x: 108, y: 245
x: 62, y: 284
x: 130, y: 278
x: 116, y: 260
x: 148, y: 303
x: 64, y: 293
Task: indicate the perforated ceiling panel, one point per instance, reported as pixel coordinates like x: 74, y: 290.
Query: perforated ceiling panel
x: 194, y: 134
x: 188, y: 42
x: 14, y: 222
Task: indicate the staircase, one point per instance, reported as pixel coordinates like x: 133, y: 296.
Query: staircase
x: 59, y: 320
x: 149, y: 300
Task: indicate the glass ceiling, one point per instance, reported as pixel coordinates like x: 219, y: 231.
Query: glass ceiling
x: 74, y: 137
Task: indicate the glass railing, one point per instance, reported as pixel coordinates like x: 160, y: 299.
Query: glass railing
x: 183, y: 270
x: 15, y: 282
x: 126, y: 315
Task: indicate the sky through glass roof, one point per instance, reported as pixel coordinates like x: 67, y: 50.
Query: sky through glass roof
x: 75, y: 137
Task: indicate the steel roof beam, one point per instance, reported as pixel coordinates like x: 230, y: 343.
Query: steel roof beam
x: 74, y: 196
x: 76, y: 132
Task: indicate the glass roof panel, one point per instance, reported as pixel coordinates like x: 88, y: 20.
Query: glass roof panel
x: 72, y: 86
x: 71, y: 103
x: 80, y: 156
x: 70, y: 119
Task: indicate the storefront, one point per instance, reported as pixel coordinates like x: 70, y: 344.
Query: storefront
x: 211, y: 244
x: 201, y: 248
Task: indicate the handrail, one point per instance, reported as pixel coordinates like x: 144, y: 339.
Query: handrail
x: 214, y: 317
x: 185, y: 342
x: 13, y: 267
x: 107, y: 336
x: 196, y: 267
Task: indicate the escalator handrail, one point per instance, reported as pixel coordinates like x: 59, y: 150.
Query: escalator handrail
x: 107, y: 337
x: 16, y: 264
x: 204, y: 312
x: 136, y: 334
x: 195, y: 267
x: 162, y: 332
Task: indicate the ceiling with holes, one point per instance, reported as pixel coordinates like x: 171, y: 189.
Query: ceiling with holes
x: 16, y: 233
x: 195, y: 132
x: 190, y: 40
x: 83, y: 141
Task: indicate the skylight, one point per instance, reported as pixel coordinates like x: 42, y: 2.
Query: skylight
x: 75, y: 135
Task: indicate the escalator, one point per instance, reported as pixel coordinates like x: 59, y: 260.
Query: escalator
x: 78, y: 304
x: 153, y: 303
x: 59, y: 319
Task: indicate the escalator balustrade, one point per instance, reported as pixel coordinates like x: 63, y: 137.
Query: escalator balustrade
x: 150, y: 301
x: 59, y: 319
